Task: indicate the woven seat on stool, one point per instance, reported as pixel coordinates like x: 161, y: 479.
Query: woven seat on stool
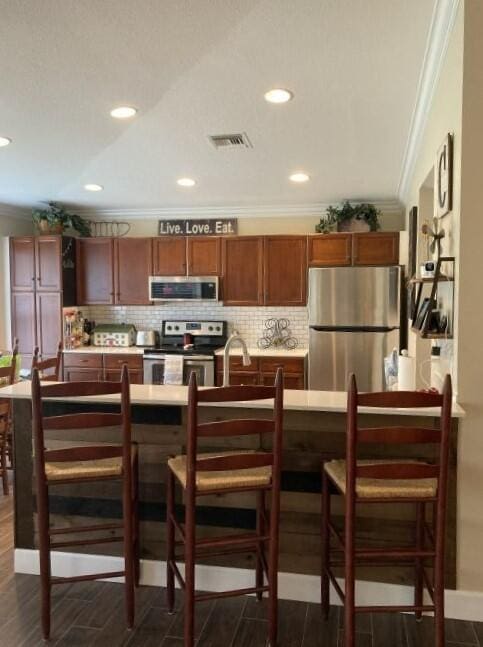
x: 255, y: 476
x: 382, y: 488
x: 84, y: 469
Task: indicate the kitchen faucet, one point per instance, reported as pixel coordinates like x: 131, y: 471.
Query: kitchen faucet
x: 232, y: 339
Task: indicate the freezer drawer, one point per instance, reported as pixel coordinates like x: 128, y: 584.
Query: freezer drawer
x: 334, y: 354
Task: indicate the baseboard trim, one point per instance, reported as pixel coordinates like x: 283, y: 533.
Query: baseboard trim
x: 460, y: 605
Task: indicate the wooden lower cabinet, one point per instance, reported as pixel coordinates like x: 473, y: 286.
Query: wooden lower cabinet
x: 263, y: 370
x: 78, y: 374
x: 98, y: 367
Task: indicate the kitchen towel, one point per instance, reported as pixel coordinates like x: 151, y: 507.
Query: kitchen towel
x: 173, y: 369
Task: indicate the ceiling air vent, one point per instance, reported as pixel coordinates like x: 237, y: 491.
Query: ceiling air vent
x: 238, y: 140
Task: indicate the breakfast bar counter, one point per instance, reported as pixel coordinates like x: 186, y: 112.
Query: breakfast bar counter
x: 314, y: 429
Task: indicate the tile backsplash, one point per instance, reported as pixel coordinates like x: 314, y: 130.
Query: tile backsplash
x: 248, y: 321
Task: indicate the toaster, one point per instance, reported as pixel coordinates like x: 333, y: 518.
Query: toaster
x: 146, y: 338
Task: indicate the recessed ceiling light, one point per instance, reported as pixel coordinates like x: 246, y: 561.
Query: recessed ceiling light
x: 93, y: 187
x: 5, y: 141
x: 299, y: 177
x: 185, y: 181
x: 123, y: 112
x: 278, y: 95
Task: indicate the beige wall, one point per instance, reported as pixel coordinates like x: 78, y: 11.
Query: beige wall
x: 458, y: 108
x: 8, y: 227
x: 252, y: 225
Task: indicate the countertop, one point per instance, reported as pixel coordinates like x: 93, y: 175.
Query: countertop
x: 136, y: 350
x: 108, y: 350
x: 322, y: 401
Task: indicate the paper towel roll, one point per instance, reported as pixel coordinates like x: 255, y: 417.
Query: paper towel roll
x: 406, y: 372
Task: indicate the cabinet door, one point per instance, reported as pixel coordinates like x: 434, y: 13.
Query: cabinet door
x: 289, y: 381
x: 242, y: 262
x: 133, y: 267
x: 285, y: 270
x: 204, y: 257
x: 23, y: 324
x: 95, y: 271
x: 169, y: 253
x: 330, y: 250
x: 48, y: 263
x: 135, y: 376
x: 49, y: 322
x: 74, y: 374
x: 22, y: 263
x: 376, y: 248
x: 237, y: 379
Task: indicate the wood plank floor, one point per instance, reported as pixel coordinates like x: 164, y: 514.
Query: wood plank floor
x: 92, y: 615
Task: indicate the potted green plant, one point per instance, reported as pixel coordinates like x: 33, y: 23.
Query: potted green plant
x: 349, y: 217
x: 55, y: 219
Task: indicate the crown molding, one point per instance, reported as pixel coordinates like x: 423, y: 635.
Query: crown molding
x: 442, y: 23
x: 11, y: 211
x: 265, y: 211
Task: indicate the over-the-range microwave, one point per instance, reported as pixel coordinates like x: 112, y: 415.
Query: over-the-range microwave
x: 183, y: 288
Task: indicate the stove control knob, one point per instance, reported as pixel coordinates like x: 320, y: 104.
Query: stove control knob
x: 168, y: 327
x: 218, y: 328
x: 210, y: 327
x: 176, y: 327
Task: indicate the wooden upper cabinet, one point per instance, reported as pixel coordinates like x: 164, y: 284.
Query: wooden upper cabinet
x: 376, y: 248
x: 204, y: 256
x: 133, y: 266
x: 330, y: 250
x: 95, y: 271
x: 285, y: 270
x: 48, y: 263
x: 22, y: 263
x: 242, y: 267
x: 169, y: 254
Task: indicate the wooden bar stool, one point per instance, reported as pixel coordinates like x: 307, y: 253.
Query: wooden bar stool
x: 84, y: 465
x: 390, y: 481
x: 7, y: 376
x: 227, y: 472
x: 51, y: 364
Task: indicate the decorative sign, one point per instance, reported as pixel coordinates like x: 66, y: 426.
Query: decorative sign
x: 443, y: 179
x: 199, y: 227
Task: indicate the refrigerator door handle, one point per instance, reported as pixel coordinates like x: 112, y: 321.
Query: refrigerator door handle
x: 353, y: 328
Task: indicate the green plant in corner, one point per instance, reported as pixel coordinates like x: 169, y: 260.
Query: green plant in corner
x: 341, y: 217
x: 56, y: 219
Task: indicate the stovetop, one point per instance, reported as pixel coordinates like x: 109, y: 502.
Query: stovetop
x: 175, y: 349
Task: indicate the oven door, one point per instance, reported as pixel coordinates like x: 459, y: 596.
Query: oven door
x: 203, y: 367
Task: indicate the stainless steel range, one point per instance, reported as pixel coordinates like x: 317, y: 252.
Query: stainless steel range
x: 194, y: 343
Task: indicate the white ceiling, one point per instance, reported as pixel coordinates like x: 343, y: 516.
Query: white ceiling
x: 200, y: 67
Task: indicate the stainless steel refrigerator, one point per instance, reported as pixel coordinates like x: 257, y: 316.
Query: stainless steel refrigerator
x: 354, y: 318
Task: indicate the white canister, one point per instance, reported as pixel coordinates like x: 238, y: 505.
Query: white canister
x: 406, y: 372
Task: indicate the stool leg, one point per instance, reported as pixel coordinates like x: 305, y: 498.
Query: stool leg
x: 128, y: 548
x: 418, y: 566
x: 259, y: 579
x: 44, y: 556
x: 4, y: 467
x: 170, y: 590
x: 189, y: 607
x: 439, y: 581
x: 273, y: 570
x: 349, y: 566
x: 135, y: 506
x: 324, y: 576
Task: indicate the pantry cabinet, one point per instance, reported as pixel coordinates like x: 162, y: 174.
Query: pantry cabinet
x: 42, y: 282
